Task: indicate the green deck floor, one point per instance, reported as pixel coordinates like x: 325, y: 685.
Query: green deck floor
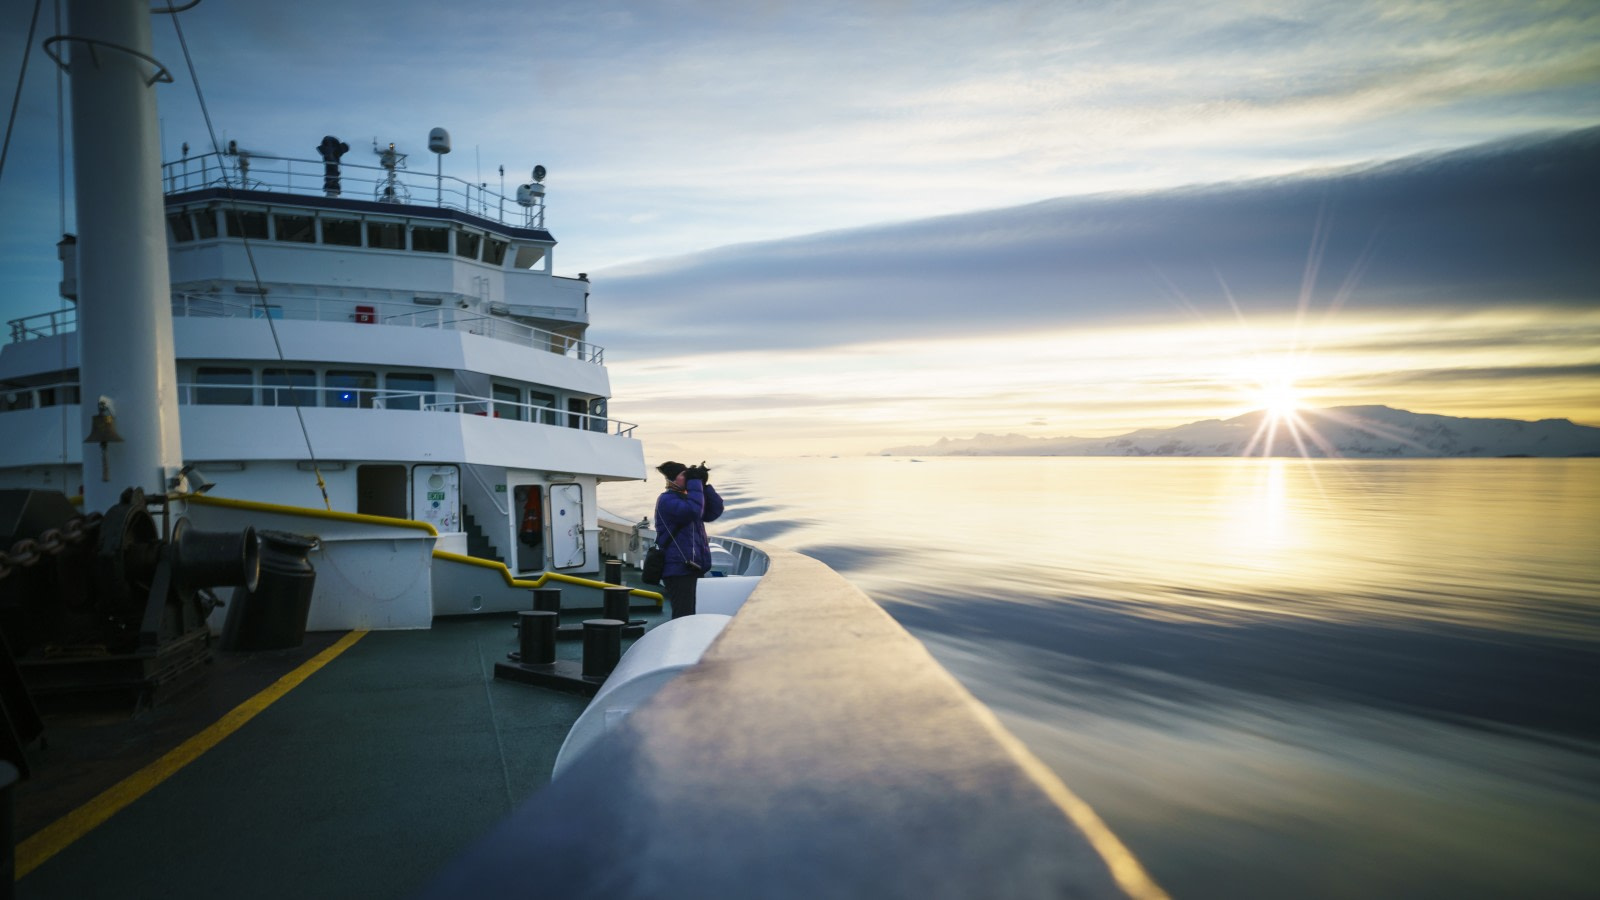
x: 360, y: 782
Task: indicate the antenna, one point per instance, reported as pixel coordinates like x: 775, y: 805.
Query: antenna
x: 390, y: 189
x: 439, y: 143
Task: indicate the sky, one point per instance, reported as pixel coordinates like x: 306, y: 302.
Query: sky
x: 832, y: 228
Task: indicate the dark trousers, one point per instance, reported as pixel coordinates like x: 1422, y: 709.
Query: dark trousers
x: 679, y: 591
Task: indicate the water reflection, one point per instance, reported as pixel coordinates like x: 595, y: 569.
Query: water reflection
x: 1271, y: 677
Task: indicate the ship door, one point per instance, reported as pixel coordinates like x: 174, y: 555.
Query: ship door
x: 436, y: 497
x: 381, y: 491
x: 529, y: 499
x: 566, y: 525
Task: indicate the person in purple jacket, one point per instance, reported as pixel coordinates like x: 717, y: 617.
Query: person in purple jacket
x: 682, y: 511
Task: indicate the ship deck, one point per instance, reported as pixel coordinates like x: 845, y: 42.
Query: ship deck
x: 356, y: 765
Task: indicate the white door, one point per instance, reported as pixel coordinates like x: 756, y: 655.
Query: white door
x: 436, y: 497
x: 566, y: 525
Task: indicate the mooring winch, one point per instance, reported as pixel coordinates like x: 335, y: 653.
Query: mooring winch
x: 111, y: 603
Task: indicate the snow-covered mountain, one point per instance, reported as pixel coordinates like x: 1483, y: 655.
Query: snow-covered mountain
x: 1360, y: 432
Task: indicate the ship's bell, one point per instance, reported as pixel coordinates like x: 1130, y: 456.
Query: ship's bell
x: 103, y: 427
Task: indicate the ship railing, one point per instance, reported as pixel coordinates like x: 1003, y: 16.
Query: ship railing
x: 249, y: 171
x: 326, y: 309
x: 383, y: 312
x: 37, y: 396
x: 336, y: 397
x: 43, y: 325
x: 502, y: 329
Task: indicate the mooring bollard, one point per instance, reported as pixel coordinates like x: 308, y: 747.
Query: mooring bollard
x: 547, y: 599
x: 615, y: 604
x: 613, y: 571
x: 536, y: 637
x: 602, y: 646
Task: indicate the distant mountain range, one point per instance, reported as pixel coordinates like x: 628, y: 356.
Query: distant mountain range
x: 1357, y: 432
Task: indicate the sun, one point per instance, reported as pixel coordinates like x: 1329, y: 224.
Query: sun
x: 1280, y: 398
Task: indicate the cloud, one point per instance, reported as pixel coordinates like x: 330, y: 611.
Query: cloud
x: 1504, y: 225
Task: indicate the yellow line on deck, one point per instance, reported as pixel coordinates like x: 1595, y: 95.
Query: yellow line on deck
x: 60, y: 834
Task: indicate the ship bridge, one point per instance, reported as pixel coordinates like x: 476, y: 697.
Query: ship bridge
x: 368, y: 244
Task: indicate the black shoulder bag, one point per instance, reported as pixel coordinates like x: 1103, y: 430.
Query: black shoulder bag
x: 655, y: 560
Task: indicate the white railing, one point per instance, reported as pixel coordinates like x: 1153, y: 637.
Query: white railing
x: 43, y: 325
x: 341, y: 309
x: 198, y: 394
x: 385, y: 312
x: 38, y: 396
x: 246, y: 171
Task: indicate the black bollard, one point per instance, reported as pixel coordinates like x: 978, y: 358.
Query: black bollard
x: 537, y: 637
x: 602, y: 646
x: 616, y: 603
x: 272, y: 616
x: 613, y: 571
x: 547, y: 599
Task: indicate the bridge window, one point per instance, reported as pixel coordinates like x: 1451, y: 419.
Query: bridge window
x: 218, y: 386
x: 53, y: 396
x: 13, y: 400
x: 296, y: 229
x: 350, y: 389
x: 288, y: 387
x: 467, y: 244
x: 252, y: 225
x: 342, y: 232
x: 416, y: 386
x: 205, y: 224
x: 494, y: 251
x: 386, y: 235
x: 507, y: 402
x: 182, y: 228
x: 545, y: 406
x: 430, y: 240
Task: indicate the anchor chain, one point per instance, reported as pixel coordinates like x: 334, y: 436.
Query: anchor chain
x: 29, y: 551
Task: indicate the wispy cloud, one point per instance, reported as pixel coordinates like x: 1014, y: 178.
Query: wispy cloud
x: 1498, y: 227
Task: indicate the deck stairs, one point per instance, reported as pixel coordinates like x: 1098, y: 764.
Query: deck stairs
x: 478, y: 543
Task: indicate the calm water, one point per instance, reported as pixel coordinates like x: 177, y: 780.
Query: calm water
x: 1270, y: 677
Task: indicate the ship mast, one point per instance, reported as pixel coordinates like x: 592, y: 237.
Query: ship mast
x: 124, y: 291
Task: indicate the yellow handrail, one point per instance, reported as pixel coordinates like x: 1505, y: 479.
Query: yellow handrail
x: 258, y: 506
x: 543, y: 579
x: 511, y: 580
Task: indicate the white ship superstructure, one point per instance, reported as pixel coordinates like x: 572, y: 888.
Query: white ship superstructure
x: 402, y: 335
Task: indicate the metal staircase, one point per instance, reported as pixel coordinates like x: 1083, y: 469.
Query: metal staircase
x: 478, y: 543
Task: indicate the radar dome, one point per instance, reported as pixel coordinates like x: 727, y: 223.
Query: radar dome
x: 439, y: 140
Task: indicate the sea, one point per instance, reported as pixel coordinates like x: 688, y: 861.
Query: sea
x: 1270, y: 677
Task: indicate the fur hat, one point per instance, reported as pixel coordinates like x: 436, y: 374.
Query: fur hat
x: 671, y: 469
